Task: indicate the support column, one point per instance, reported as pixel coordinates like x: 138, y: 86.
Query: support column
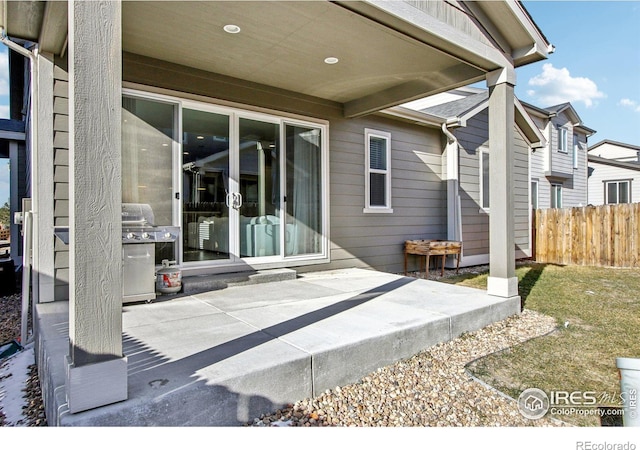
x: 502, y: 280
x: 43, y: 197
x: 96, y: 369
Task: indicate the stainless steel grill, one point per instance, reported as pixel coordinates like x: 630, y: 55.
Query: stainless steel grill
x: 139, y: 236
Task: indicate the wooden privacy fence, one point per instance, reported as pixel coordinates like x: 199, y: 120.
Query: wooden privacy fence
x: 607, y: 235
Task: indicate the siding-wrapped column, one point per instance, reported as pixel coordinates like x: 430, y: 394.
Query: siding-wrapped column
x: 97, y: 370
x: 502, y: 280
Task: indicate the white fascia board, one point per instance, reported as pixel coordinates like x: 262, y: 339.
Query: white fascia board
x: 413, y: 116
x: 521, y: 110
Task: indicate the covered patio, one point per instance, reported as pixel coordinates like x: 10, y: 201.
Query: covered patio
x: 222, y: 358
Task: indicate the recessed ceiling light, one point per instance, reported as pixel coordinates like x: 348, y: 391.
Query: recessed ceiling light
x: 200, y: 137
x: 331, y: 60
x: 233, y: 29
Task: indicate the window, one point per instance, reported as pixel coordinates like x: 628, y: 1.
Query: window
x: 576, y: 147
x: 484, y: 179
x: 562, y: 140
x: 378, y: 172
x: 617, y: 192
x: 556, y: 196
x: 534, y: 195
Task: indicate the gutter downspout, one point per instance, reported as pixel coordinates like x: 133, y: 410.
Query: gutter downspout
x: 27, y: 257
x: 454, y: 213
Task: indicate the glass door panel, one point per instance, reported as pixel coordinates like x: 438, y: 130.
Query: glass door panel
x: 148, y: 134
x: 303, y: 233
x: 205, y: 168
x: 259, y: 188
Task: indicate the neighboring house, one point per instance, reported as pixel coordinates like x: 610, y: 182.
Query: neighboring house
x: 559, y: 170
x: 617, y: 151
x: 264, y: 146
x: 466, y: 166
x: 12, y: 146
x: 614, y: 173
x: 613, y: 181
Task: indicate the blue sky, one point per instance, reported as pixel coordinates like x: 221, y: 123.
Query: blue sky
x: 596, y: 67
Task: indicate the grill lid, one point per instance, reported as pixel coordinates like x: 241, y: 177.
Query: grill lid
x: 137, y: 214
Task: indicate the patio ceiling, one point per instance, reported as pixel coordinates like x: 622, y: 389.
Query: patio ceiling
x: 284, y: 45
x: 389, y: 52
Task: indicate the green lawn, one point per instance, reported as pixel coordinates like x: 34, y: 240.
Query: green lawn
x: 602, y: 308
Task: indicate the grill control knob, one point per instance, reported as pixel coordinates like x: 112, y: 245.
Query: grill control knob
x: 129, y: 235
x: 145, y: 235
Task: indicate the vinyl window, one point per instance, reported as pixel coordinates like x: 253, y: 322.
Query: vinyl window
x: 556, y: 196
x: 534, y: 195
x: 378, y: 172
x: 617, y: 192
x: 484, y: 179
x: 562, y: 140
x: 576, y: 147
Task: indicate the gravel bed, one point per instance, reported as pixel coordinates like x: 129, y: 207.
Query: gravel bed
x: 10, y: 316
x: 432, y: 388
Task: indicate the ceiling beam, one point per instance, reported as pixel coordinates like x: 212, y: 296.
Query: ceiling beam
x: 455, y: 76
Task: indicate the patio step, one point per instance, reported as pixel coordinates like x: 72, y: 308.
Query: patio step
x: 206, y: 283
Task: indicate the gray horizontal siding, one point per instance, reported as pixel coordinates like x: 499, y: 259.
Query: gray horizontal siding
x: 61, y: 176
x: 418, y: 194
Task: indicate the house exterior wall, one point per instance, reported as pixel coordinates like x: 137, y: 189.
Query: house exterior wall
x: 551, y: 166
x: 61, y: 175
x: 357, y: 239
x: 418, y: 194
x: 473, y: 139
x: 600, y: 173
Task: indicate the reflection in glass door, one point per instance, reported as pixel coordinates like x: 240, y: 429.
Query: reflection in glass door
x: 304, y: 229
x: 205, y: 167
x: 259, y: 186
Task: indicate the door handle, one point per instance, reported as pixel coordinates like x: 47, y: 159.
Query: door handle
x: 234, y: 200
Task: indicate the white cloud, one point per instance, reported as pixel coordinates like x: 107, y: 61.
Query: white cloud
x: 554, y: 86
x: 628, y: 103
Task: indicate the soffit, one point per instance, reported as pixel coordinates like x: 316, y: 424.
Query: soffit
x: 284, y: 44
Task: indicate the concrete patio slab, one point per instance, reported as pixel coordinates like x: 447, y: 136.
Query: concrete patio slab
x: 222, y: 358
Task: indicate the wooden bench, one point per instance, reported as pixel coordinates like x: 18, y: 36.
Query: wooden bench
x: 432, y: 247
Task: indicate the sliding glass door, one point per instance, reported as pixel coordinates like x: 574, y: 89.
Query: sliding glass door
x: 205, y: 186
x: 303, y: 192
x: 245, y: 187
x: 259, y: 188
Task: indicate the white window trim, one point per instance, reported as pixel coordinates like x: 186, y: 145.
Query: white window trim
x: 576, y: 148
x: 563, y: 140
x: 618, y: 182
x: 481, y: 183
x: 537, y: 192
x: 368, y: 208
